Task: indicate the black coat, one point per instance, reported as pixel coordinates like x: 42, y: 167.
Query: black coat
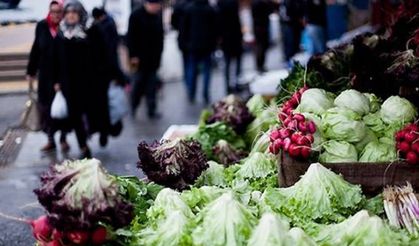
x: 261, y: 9
x: 315, y: 12
x: 178, y: 21
x: 41, y: 62
x: 111, y: 39
x: 230, y: 27
x: 145, y: 38
x: 75, y: 73
x: 200, y: 28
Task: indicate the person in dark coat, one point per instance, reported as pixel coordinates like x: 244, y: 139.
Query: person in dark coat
x: 177, y: 22
x: 261, y: 9
x: 75, y: 70
x: 200, y: 38
x: 231, y: 39
x: 41, y: 63
x: 316, y: 23
x: 145, y: 44
x: 291, y: 14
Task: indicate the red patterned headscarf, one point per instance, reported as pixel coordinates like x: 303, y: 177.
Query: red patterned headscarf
x: 53, y: 27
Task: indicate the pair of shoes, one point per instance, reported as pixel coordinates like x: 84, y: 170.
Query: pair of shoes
x: 85, y: 153
x: 48, y: 147
x: 65, y: 147
x: 103, y: 140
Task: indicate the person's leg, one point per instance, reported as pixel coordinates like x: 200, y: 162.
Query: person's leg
x: 206, y: 62
x: 192, y: 66
x: 151, y: 90
x: 238, y: 70
x: 317, y: 38
x: 227, y: 60
x: 81, y: 135
x: 287, y: 41
x: 136, y: 92
x: 65, y: 147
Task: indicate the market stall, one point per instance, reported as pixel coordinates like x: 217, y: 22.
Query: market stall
x: 332, y: 160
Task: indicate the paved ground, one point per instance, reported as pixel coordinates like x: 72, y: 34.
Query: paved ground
x: 19, y: 178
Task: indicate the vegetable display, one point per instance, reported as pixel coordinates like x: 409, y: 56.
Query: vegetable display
x: 408, y: 143
x: 174, y: 164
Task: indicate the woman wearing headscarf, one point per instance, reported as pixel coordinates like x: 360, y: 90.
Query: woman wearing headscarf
x: 41, y: 63
x: 74, y: 76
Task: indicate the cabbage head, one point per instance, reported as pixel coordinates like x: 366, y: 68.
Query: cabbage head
x: 338, y: 151
x: 375, y: 102
x: 343, y: 124
x: 315, y: 101
x: 256, y: 104
x: 369, y: 137
x: 375, y: 123
x: 397, y: 110
x: 353, y: 100
x: 378, y: 152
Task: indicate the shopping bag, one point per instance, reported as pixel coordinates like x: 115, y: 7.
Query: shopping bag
x: 59, y: 109
x: 30, y: 118
x: 118, y: 103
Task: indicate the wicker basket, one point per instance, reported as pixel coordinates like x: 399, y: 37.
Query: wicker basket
x: 371, y: 176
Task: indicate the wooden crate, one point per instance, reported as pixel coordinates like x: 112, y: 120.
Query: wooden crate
x: 371, y: 176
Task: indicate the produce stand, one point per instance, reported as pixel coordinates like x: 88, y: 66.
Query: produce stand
x: 372, y: 177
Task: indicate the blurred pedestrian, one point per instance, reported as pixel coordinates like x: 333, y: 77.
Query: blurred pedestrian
x: 177, y: 21
x: 316, y: 21
x: 231, y: 40
x: 145, y: 44
x: 75, y: 70
x: 291, y: 14
x: 261, y: 10
x: 41, y: 63
x: 200, y: 37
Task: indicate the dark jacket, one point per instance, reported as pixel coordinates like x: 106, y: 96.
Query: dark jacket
x: 315, y: 12
x: 261, y: 9
x: 102, y: 72
x: 41, y: 62
x: 75, y: 73
x: 178, y: 21
x: 145, y: 38
x: 200, y: 28
x: 111, y: 38
x: 291, y: 12
x: 230, y: 27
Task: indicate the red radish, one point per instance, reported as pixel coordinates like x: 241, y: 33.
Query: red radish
x: 53, y: 243
x: 99, y: 236
x: 294, y: 150
x: 56, y: 234
x: 400, y: 136
x: 282, y: 116
x: 296, y: 137
x: 299, y: 117
x: 278, y: 144
x: 305, y: 152
x: 302, y: 90
x: 310, y: 138
x: 284, y: 133
x: 287, y: 121
x: 288, y: 110
x: 286, y: 144
x: 302, y: 126
x: 293, y: 101
x: 415, y: 147
x: 303, y: 141
x: 41, y: 228
x: 311, y: 127
x: 274, y: 135
x: 411, y: 158
x: 409, y: 137
x: 272, y: 149
x: 293, y: 125
x: 78, y: 237
x: 404, y: 147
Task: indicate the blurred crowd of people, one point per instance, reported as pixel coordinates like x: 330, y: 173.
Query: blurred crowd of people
x: 81, y: 60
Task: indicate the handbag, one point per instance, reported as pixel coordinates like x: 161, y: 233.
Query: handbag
x: 30, y: 118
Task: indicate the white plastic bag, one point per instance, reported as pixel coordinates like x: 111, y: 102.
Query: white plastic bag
x: 118, y: 103
x: 59, y: 108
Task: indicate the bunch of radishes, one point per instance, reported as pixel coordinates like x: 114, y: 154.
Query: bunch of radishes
x: 289, y: 106
x: 295, y: 137
x: 47, y: 235
x: 407, y: 142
